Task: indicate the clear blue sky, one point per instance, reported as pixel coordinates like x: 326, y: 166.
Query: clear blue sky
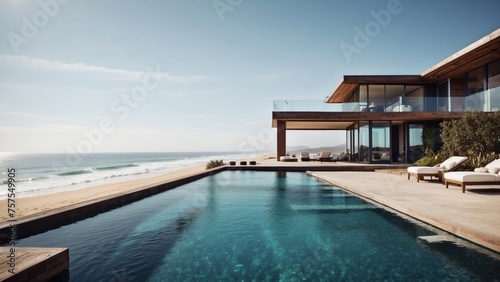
x: 74, y: 73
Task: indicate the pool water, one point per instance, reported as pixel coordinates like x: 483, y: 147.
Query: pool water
x: 262, y: 226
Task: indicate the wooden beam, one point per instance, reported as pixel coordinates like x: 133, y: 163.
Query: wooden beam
x: 363, y: 116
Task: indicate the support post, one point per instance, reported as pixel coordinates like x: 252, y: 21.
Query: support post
x: 281, y: 146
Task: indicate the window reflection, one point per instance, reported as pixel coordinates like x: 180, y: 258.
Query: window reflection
x: 415, y: 143
x: 381, y: 139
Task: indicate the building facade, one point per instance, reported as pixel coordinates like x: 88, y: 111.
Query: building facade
x: 386, y: 118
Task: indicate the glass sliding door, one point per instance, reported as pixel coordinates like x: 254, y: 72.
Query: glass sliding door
x: 363, y: 98
x: 355, y: 143
x: 364, y: 141
x: 442, y: 94
x: 376, y: 98
x: 394, y: 95
x: 348, y: 142
x: 415, y: 98
x: 494, y: 85
x: 381, y: 141
x: 415, y: 143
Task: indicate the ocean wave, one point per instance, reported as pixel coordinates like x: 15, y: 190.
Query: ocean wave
x: 100, y: 170
x: 117, y: 167
x: 77, y: 172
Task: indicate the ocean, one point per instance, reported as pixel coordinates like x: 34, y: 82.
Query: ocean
x: 49, y: 173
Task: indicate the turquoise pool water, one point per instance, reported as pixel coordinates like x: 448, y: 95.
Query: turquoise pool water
x: 262, y: 226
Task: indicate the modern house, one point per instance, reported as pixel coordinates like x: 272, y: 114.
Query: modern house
x: 384, y: 116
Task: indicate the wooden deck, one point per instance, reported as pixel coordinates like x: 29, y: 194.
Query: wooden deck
x: 33, y: 264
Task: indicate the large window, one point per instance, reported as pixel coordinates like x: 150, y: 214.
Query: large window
x: 363, y: 97
x: 394, y: 95
x: 381, y: 141
x: 355, y: 148
x: 442, y: 94
x: 415, y: 143
x: 364, y: 141
x: 475, y: 81
x: 376, y: 98
x: 415, y: 98
x: 494, y: 85
x: 494, y: 75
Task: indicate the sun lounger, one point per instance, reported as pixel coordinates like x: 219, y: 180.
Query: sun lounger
x: 489, y: 175
x: 288, y: 159
x: 341, y: 156
x: 436, y: 171
x: 304, y: 157
x: 324, y: 156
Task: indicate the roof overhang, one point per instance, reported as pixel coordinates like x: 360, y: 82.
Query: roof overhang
x: 475, y: 55
x: 479, y: 53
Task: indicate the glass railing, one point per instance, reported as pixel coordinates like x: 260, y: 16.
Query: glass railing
x: 486, y: 101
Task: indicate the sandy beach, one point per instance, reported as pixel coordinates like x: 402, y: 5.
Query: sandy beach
x: 39, y: 204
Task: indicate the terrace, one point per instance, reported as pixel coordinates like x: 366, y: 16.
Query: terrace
x: 484, y: 101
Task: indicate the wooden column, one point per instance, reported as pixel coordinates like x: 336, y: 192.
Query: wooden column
x: 281, y: 139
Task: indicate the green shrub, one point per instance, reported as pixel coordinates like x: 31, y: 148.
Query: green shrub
x: 432, y: 160
x: 215, y: 163
x: 479, y: 160
x: 426, y: 161
x: 476, y: 135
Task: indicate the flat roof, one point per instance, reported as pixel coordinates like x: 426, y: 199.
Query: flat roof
x: 482, y: 51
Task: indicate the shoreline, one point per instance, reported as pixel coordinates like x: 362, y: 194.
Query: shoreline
x: 39, y: 204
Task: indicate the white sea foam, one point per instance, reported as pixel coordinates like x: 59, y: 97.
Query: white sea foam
x: 35, y: 175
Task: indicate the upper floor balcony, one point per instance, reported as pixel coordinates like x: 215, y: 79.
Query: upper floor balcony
x: 486, y: 101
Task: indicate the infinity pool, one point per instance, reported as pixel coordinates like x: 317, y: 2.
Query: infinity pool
x: 262, y: 226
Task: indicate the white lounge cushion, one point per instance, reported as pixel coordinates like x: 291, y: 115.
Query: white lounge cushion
x: 325, y: 154
x: 495, y: 163
x: 456, y: 159
x: 423, y: 169
x: 493, y: 170
x: 448, y: 165
x: 402, y: 108
x: 471, y: 176
x: 481, y: 169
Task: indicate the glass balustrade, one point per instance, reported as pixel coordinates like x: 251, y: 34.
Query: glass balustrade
x: 486, y: 101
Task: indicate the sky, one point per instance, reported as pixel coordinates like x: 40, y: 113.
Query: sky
x: 201, y: 75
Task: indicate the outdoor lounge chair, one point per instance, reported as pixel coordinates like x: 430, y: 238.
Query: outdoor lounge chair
x: 436, y: 171
x: 288, y: 159
x: 488, y: 175
x: 304, y: 157
x: 337, y: 157
x: 323, y: 157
